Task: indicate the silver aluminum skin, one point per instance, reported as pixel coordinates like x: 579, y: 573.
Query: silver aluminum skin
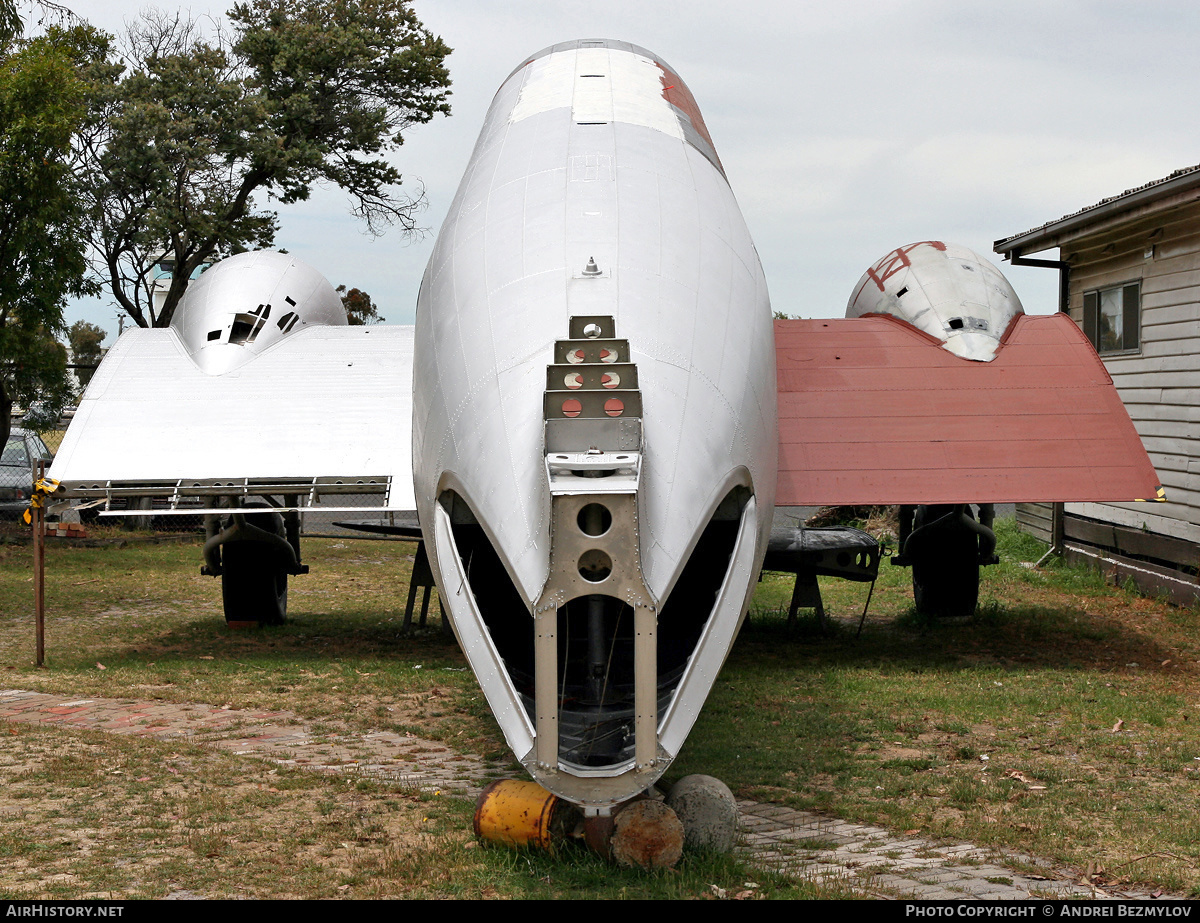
x: 292, y: 294
x: 172, y: 412
x: 583, y: 157
x: 943, y: 289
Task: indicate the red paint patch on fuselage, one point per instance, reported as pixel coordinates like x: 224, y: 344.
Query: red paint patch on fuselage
x: 675, y: 92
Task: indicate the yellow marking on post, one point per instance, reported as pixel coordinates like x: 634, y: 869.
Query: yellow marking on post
x: 41, y: 491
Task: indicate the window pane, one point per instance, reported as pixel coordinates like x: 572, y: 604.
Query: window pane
x: 14, y: 452
x: 1091, y: 314
x: 1133, y: 318
x: 1112, y: 315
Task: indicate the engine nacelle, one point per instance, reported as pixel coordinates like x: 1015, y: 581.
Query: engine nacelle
x: 248, y: 302
x: 945, y: 290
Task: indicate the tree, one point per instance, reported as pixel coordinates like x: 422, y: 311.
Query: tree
x: 10, y: 21
x: 42, y: 104
x: 303, y: 92
x: 360, y: 309
x: 86, y: 348
x: 10, y: 17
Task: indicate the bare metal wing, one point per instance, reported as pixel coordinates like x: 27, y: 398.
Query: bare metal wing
x: 871, y: 410
x: 323, y: 413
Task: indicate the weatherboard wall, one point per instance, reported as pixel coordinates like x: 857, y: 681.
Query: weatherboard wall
x: 1160, y: 380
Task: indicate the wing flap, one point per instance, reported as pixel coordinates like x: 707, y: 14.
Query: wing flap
x: 873, y: 411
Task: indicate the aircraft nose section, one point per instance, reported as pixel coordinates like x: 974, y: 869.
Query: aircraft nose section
x: 597, y: 683
x: 218, y: 358
x: 247, y: 303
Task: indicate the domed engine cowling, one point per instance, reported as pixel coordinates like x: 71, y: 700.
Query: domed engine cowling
x: 246, y: 303
x: 945, y: 290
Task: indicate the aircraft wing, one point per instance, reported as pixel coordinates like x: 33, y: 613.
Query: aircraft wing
x: 321, y: 414
x: 873, y: 411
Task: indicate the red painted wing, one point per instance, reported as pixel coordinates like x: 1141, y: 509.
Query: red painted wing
x: 873, y: 411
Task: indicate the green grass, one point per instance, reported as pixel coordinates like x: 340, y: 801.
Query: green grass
x: 890, y: 728
x: 887, y: 728
x: 93, y: 814
x: 89, y: 814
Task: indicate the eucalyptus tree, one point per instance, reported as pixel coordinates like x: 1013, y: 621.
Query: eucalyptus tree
x: 197, y: 132
x: 43, y: 103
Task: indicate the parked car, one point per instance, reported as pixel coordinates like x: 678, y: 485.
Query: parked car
x: 22, y: 451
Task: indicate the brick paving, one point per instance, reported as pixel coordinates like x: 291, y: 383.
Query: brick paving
x: 822, y: 848
x: 809, y: 846
x: 278, y: 736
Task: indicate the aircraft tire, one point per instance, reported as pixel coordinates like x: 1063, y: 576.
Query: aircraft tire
x: 946, y: 581
x: 253, y: 584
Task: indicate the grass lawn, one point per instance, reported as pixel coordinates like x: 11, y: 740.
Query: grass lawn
x: 88, y: 814
x: 1062, y: 720
x: 1059, y: 721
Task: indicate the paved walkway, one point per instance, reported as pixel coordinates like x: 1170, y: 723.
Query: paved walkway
x: 799, y: 843
x: 822, y: 848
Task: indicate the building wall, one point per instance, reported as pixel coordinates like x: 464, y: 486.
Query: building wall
x: 1160, y: 383
x: 1036, y: 520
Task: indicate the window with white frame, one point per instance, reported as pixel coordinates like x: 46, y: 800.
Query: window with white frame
x: 1112, y: 318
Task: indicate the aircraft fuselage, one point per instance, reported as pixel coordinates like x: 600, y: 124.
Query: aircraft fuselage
x: 594, y: 192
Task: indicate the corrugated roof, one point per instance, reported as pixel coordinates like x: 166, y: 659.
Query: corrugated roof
x: 1173, y: 182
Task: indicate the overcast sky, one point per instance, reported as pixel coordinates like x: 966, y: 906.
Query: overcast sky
x: 846, y: 129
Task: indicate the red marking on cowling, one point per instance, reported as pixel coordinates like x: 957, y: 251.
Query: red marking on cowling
x: 897, y: 260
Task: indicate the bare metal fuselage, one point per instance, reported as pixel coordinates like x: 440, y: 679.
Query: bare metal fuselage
x: 594, y: 191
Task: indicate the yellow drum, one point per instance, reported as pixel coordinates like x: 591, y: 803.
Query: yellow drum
x: 516, y: 813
